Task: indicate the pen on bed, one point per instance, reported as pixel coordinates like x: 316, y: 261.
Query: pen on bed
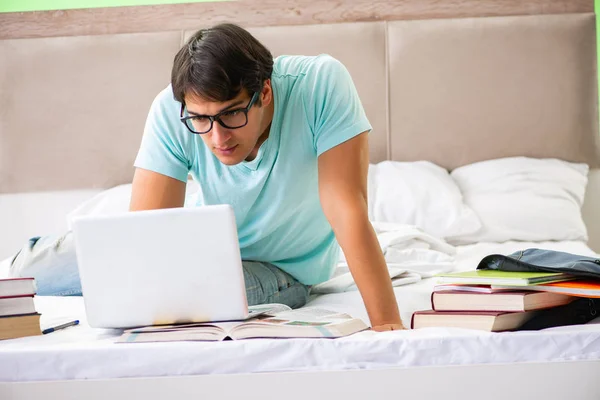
x: 66, y: 325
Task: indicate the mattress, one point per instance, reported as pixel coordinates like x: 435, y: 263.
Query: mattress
x: 84, y: 353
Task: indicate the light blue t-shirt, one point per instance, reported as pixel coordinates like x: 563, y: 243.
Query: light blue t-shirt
x: 275, y: 197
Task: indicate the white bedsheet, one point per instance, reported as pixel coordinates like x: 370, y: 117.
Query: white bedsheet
x: 84, y: 353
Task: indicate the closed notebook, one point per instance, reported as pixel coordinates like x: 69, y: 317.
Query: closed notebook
x: 301, y: 323
x: 17, y: 326
x: 490, y: 321
x: 500, y: 301
x: 580, y: 288
x: 501, y: 278
x: 473, y: 288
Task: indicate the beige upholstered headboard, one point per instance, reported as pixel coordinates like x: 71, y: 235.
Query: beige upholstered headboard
x: 452, y: 85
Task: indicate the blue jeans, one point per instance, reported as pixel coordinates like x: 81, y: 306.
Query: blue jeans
x: 52, y: 262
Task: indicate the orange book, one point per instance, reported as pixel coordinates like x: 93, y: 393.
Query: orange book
x: 579, y: 288
x: 16, y: 326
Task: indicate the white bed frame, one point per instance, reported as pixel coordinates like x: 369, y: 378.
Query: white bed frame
x: 388, y: 48
x: 548, y: 381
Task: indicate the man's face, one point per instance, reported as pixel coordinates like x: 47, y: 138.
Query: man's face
x: 232, y: 146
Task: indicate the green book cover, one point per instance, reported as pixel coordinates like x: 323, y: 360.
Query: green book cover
x: 494, y: 277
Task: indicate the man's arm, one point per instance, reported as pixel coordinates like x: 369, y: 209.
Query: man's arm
x: 343, y: 194
x: 151, y: 190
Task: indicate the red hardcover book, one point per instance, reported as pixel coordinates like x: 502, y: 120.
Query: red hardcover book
x: 453, y: 300
x: 17, y: 287
x: 481, y: 320
x: 16, y: 305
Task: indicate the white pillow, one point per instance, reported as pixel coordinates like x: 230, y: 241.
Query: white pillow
x: 419, y: 193
x: 116, y: 200
x: 527, y: 199
x: 26, y: 215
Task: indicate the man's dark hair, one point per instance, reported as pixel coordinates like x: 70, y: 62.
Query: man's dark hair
x: 217, y: 63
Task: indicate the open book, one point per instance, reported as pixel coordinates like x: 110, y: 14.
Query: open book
x: 281, y: 322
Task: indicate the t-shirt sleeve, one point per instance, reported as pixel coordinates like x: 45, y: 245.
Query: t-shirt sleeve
x: 334, y: 107
x: 164, y: 147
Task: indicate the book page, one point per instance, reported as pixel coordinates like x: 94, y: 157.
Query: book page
x: 261, y: 309
x: 303, y: 322
x: 306, y: 316
x: 167, y: 328
x: 189, y: 334
x: 168, y: 333
x: 254, y: 311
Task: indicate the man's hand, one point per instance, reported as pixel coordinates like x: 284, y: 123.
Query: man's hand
x: 343, y: 194
x: 388, y: 327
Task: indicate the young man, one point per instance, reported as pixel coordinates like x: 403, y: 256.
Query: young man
x: 285, y: 143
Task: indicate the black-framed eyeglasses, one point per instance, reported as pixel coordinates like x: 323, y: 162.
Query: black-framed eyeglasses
x: 230, y: 119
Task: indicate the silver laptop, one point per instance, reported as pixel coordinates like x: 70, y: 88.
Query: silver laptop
x: 166, y: 266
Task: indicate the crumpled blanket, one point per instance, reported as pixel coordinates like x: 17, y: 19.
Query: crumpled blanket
x: 410, y: 254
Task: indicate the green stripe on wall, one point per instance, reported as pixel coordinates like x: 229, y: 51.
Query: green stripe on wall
x: 42, y: 5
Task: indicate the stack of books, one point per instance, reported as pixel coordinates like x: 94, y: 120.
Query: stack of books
x: 18, y: 316
x: 498, y: 301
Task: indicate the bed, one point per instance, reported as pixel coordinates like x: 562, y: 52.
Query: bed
x: 456, y: 87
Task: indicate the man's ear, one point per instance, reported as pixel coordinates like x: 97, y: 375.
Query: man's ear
x: 266, y: 95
